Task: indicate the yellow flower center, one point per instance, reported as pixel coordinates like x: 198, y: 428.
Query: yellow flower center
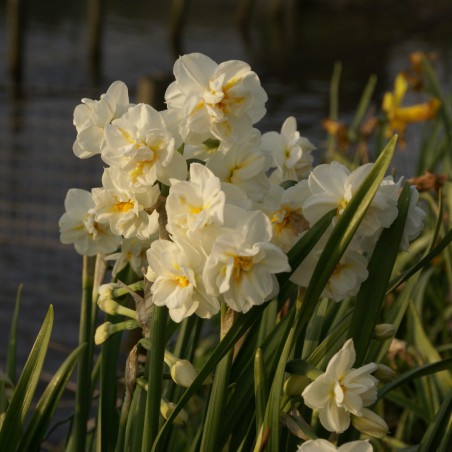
x: 182, y: 281
x: 242, y: 264
x: 122, y: 207
x: 293, y: 218
x: 342, y: 205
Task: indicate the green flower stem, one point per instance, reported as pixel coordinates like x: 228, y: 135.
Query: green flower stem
x: 155, y: 374
x: 135, y: 287
x: 83, y: 394
x: 219, y: 388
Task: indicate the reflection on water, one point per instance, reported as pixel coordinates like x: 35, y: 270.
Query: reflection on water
x: 37, y: 166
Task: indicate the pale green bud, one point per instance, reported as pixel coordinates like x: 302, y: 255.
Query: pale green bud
x: 370, y: 424
x: 384, y: 373
x: 384, y: 331
x: 102, y: 333
x: 167, y: 408
x: 295, y: 385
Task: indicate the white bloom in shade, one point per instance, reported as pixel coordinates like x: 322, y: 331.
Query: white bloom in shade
x: 242, y: 264
x: 244, y: 167
x: 346, y: 279
x: 129, y: 214
x: 91, y: 117
x: 414, y: 221
x: 176, y: 271
x: 322, y: 445
x: 284, y: 208
x: 133, y: 252
x: 342, y: 390
x: 78, y: 225
x: 332, y: 187
x: 290, y: 152
x: 195, y: 204
x: 244, y: 134
x: 370, y: 423
x: 213, y: 98
x: 141, y: 145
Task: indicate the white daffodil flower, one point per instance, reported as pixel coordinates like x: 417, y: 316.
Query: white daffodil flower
x: 322, y: 445
x: 284, y: 208
x: 140, y: 144
x: 342, y: 390
x: 290, y: 152
x: 91, y: 117
x: 332, y: 187
x: 243, y: 263
x: 213, y: 98
x: 130, y: 214
x: 244, y: 167
x: 196, y: 204
x: 78, y: 226
x: 346, y: 279
x: 414, y: 221
x: 176, y: 272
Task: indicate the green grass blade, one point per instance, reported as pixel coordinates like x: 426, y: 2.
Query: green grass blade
x: 216, y: 404
x: 3, y: 401
x: 425, y: 261
x: 26, y: 386
x: 427, y: 350
x: 437, y: 430
x: 406, y: 377
x: 46, y: 405
x: 372, y: 293
x: 260, y: 387
x: 11, y: 357
x: 362, y: 107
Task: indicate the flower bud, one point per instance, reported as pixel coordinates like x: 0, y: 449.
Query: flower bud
x: 295, y: 385
x: 384, y: 331
x: 183, y: 373
x: 370, y: 423
x: 107, y: 305
x: 167, y: 408
x: 384, y: 373
x: 102, y: 333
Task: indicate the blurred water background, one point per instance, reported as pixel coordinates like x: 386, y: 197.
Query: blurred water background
x: 293, y: 55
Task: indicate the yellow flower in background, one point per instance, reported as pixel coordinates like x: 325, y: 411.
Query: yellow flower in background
x: 399, y: 117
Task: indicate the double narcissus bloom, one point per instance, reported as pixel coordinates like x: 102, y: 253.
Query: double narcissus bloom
x: 322, y: 445
x: 230, y: 222
x: 342, y: 390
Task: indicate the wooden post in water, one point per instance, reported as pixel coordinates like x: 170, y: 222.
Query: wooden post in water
x: 177, y: 18
x: 15, y: 38
x: 95, y: 8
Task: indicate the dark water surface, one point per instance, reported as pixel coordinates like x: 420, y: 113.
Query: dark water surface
x: 294, y: 62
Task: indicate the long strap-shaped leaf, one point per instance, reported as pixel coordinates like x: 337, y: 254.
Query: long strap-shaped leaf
x: 428, y: 369
x: 46, y: 405
x: 25, y: 389
x: 241, y: 324
x: 372, y: 293
x: 438, y: 435
x: 11, y: 358
x: 338, y: 242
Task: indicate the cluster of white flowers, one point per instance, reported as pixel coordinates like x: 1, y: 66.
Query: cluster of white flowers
x: 229, y: 221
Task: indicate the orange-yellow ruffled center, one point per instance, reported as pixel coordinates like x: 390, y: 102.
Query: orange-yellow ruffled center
x: 242, y: 264
x: 122, y: 207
